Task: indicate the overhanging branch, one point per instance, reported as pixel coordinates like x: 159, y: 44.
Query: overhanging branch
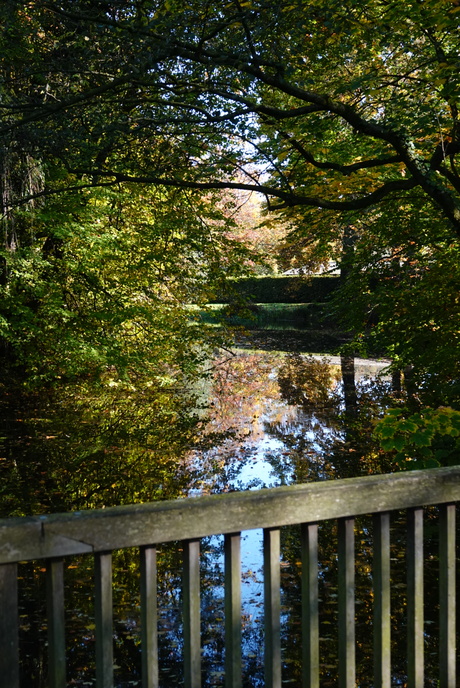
x: 288, y: 198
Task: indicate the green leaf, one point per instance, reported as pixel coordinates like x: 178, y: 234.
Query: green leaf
x: 422, y: 438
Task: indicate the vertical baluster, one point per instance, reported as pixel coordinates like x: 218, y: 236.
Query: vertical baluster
x: 272, y: 603
x: 232, y: 547
x: 149, y: 617
x: 310, y: 621
x: 55, y: 617
x: 382, y: 610
x: 191, y: 585
x: 447, y: 601
x: 415, y: 667
x: 9, y: 620
x: 104, y: 619
x: 346, y: 546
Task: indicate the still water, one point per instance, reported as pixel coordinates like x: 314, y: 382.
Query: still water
x: 275, y: 419
x: 280, y: 410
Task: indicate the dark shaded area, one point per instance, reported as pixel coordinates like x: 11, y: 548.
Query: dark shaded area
x: 281, y: 289
x: 303, y: 341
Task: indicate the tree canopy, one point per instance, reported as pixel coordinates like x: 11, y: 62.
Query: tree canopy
x: 122, y: 122
x: 319, y: 105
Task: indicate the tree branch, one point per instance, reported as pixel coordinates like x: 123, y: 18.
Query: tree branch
x: 343, y: 169
x: 289, y: 198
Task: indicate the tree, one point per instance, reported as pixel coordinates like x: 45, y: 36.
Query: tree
x: 102, y: 349
x: 344, y: 108
x: 342, y: 117
x: 101, y: 288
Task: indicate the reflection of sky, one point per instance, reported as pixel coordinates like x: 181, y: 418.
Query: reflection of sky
x: 255, y: 458
x: 258, y: 468
x: 254, y: 409
x: 246, y: 400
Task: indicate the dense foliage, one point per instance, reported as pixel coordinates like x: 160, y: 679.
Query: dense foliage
x: 120, y: 120
x: 101, y: 350
x: 344, y: 107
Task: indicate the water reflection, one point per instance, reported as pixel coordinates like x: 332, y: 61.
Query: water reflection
x: 85, y: 446
x: 275, y: 419
x: 290, y: 418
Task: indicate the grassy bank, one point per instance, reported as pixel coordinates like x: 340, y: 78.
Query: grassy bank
x: 272, y: 316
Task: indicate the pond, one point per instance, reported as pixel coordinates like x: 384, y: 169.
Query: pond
x: 285, y: 414
x: 276, y: 418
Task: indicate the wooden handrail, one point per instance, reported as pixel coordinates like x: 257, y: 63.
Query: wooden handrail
x: 99, y: 530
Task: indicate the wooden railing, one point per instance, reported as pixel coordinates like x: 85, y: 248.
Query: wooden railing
x: 56, y: 536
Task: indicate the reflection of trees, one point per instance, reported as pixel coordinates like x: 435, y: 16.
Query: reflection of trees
x: 328, y: 437
x: 333, y: 437
x: 309, y: 383
x: 76, y: 450
x: 335, y: 441
x: 319, y: 441
x: 325, y: 433
x: 242, y: 386
x: 116, y: 445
